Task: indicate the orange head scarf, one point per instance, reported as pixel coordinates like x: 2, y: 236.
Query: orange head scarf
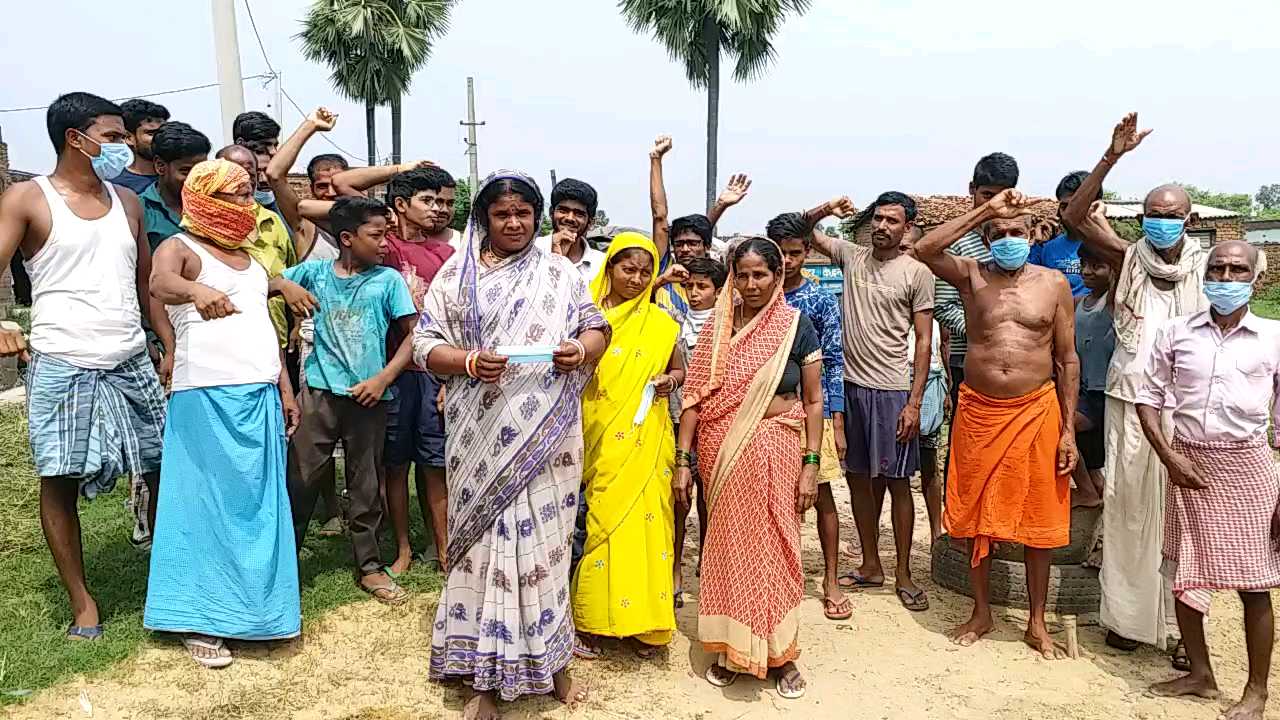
x: 230, y: 225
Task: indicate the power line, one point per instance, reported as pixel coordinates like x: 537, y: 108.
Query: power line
x: 263, y: 49
x: 145, y: 95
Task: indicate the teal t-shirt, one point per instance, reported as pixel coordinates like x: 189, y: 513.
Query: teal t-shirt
x: 351, y: 322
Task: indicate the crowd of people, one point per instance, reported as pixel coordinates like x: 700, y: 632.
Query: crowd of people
x: 201, y: 329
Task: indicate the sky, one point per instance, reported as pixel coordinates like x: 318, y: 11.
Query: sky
x: 863, y: 97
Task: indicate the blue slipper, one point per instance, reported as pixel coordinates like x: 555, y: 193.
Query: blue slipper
x: 84, y: 632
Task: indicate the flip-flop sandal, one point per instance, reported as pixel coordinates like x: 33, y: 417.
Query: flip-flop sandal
x: 717, y: 680
x: 585, y: 650
x: 390, y: 595
x: 222, y: 660
x: 84, y: 632
x: 793, y: 693
x: 854, y: 581
x: 916, y: 601
x: 837, y: 610
x: 1179, y: 659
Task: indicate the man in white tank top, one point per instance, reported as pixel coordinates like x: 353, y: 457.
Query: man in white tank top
x: 230, y: 410
x: 94, y: 405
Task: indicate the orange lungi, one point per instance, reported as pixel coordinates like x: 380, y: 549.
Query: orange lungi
x: 1003, y: 484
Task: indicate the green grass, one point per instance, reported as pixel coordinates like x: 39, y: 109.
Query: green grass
x: 34, y: 613
x: 1267, y: 304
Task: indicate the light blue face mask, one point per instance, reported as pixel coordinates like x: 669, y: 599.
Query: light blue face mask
x: 1163, y: 233
x: 1010, y: 253
x: 1227, y: 297
x: 112, y: 158
x: 265, y: 198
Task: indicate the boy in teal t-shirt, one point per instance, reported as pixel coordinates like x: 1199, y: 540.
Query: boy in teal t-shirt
x: 348, y: 379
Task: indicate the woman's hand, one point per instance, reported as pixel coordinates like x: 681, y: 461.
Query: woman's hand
x: 490, y: 366
x: 568, y: 357
x: 663, y: 385
x: 681, y: 484
x: 807, y: 490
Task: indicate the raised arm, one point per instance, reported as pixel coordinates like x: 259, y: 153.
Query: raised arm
x: 658, y: 195
x: 1099, y: 236
x: 732, y: 194
x: 1067, y: 372
x: 841, y: 207
x: 356, y: 180
x: 321, y: 120
x: 932, y: 248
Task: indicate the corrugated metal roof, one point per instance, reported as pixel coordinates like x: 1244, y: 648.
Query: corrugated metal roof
x: 1130, y: 210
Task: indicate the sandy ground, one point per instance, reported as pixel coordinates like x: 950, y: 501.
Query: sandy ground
x: 367, y: 662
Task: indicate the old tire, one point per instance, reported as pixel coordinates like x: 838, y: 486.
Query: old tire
x: 1083, y: 523
x: 1073, y: 590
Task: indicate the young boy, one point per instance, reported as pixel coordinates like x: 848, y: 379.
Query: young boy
x: 794, y: 237
x: 1095, y: 341
x: 417, y: 248
x: 706, y: 278
x: 348, y: 377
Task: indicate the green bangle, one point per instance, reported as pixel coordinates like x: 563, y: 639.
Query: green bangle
x: 812, y: 459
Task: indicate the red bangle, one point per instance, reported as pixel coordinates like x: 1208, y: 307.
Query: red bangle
x: 470, y: 364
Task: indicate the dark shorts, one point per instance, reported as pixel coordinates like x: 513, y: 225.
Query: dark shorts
x: 870, y: 427
x: 1091, y: 443
x: 415, y: 430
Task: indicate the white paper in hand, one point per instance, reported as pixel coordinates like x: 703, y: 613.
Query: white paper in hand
x: 646, y: 402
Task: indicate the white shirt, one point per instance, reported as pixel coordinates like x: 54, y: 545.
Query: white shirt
x: 1221, y: 388
x: 590, y: 263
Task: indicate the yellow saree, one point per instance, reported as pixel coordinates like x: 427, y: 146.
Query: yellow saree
x: 622, y: 587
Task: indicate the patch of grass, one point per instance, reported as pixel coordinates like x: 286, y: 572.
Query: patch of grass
x: 34, y: 612
x: 1267, y: 304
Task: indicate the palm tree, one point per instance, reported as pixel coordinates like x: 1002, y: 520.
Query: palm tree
x: 373, y: 48
x: 695, y: 32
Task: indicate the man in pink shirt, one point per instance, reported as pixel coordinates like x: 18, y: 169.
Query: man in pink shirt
x: 423, y: 200
x: 1219, y: 370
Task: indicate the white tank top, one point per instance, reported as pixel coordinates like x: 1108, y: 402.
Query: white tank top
x: 236, y: 350
x: 84, y: 286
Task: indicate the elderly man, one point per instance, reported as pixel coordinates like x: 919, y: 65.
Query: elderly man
x: 1013, y: 442
x: 1160, y: 278
x: 1221, y: 369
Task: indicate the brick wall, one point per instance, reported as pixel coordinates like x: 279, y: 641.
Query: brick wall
x: 1224, y: 229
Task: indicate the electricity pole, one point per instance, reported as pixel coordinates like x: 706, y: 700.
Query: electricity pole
x: 226, y: 48
x: 471, y: 126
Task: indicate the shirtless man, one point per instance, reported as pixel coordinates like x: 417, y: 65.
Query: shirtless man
x: 1013, y: 443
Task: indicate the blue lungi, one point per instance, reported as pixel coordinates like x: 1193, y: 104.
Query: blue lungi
x: 223, y: 562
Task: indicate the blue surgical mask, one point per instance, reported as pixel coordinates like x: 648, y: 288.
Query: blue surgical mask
x: 1227, y: 297
x: 1163, y: 233
x: 264, y: 197
x: 1010, y: 253
x: 112, y: 159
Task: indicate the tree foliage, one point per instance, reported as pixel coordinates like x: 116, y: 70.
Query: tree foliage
x: 600, y: 220
x: 462, y: 205
x: 1268, y: 197
x: 1239, y: 203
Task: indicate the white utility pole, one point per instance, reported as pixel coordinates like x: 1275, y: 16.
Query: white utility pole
x: 226, y: 48
x: 471, y: 126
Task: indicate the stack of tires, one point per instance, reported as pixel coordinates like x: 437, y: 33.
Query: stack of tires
x: 1073, y: 588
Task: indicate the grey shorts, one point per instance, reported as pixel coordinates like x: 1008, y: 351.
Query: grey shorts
x: 870, y: 427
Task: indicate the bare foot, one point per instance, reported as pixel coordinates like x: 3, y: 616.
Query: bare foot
x: 566, y: 690
x: 972, y: 631
x: 87, y: 616
x: 1250, y: 706
x: 1205, y: 687
x: 403, y: 562
x: 1042, y: 642
x: 481, y: 706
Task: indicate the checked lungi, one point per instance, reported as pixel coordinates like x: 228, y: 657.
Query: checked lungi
x: 1219, y: 538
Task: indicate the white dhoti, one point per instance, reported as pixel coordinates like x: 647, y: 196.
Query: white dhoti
x: 1137, y: 600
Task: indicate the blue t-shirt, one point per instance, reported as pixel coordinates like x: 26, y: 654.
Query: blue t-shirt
x: 351, y: 322
x: 1061, y: 253
x: 135, y: 182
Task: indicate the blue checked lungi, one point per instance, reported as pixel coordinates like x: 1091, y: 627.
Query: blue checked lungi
x: 94, y: 425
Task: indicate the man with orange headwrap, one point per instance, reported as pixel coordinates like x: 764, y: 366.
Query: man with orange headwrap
x: 222, y: 561
x: 1013, y: 443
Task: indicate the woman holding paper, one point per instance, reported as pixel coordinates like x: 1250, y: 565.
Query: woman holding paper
x: 753, y: 394
x: 622, y: 587
x: 513, y: 447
